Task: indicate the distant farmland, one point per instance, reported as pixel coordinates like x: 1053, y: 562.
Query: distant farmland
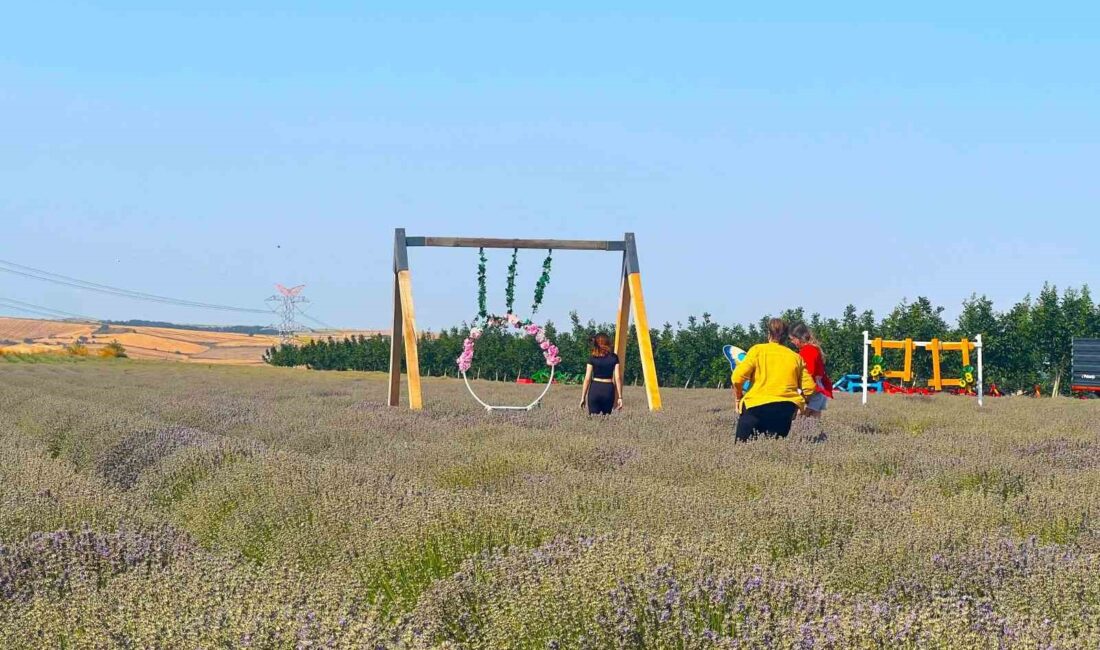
x: 24, y: 335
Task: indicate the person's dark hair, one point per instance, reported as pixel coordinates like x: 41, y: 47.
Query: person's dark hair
x: 601, y: 345
x: 802, y: 332
x: 777, y: 330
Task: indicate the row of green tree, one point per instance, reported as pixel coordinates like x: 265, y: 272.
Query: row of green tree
x: 1027, y: 345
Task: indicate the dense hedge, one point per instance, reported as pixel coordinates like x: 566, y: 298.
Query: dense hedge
x: 1027, y: 345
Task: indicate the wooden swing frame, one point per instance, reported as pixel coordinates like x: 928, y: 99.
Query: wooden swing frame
x: 403, y: 341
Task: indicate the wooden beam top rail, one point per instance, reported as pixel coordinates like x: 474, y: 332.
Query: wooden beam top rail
x: 556, y: 244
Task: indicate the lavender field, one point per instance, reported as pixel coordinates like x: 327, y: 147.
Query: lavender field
x: 147, y: 505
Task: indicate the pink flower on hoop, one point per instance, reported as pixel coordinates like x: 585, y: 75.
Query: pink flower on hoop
x: 549, y: 350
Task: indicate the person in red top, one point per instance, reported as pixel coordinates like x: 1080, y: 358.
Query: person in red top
x: 810, y: 350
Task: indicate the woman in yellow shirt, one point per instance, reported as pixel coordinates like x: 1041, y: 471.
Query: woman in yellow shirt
x: 780, y: 386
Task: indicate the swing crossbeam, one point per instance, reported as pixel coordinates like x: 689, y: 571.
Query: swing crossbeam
x: 403, y: 343
x: 542, y: 244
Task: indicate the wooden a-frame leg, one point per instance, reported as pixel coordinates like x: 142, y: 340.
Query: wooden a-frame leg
x: 622, y: 327
x: 937, y: 379
x: 408, y: 333
x: 397, y: 345
x: 645, y: 345
x: 908, y: 360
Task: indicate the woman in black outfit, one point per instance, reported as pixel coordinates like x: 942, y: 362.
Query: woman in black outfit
x: 603, y: 385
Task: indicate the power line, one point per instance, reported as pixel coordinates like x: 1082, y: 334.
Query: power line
x: 315, y: 320
x: 55, y: 278
x: 27, y: 310
x: 30, y: 312
x: 49, y: 311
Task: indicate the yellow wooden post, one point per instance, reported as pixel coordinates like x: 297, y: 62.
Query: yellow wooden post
x: 645, y: 345
x: 397, y: 345
x: 908, y: 360
x: 937, y: 380
x: 412, y: 356
x: 641, y: 321
x: 622, y: 326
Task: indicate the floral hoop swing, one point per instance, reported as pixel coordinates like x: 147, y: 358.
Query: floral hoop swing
x: 486, y: 321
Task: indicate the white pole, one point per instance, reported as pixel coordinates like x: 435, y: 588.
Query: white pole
x: 866, y: 342
x: 978, y: 344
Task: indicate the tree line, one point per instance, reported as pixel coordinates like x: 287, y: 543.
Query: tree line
x: 1027, y: 345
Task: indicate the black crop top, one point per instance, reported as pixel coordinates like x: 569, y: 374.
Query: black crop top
x: 604, y: 367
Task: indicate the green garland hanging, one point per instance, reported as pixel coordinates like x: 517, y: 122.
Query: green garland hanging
x: 483, y: 315
x: 544, y: 279
x: 510, y: 288
x: 482, y: 307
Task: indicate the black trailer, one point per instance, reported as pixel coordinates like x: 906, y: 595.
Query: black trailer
x: 1086, y: 366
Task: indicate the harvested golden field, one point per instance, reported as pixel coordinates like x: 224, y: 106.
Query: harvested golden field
x: 161, y: 343
x: 210, y: 337
x: 176, y: 505
x: 155, y: 343
x: 18, y: 329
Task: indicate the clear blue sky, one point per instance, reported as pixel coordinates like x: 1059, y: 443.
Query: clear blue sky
x: 764, y: 156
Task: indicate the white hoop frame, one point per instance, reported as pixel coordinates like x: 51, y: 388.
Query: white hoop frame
x: 489, y: 408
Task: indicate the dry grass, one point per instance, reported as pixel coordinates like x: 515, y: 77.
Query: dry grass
x: 164, y: 505
x: 29, y: 348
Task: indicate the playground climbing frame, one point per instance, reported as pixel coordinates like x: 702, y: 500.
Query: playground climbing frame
x: 937, y: 348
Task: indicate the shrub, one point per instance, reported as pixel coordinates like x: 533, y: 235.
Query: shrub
x: 113, y: 350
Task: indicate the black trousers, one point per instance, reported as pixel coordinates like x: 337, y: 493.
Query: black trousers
x: 601, y: 398
x: 767, y: 420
